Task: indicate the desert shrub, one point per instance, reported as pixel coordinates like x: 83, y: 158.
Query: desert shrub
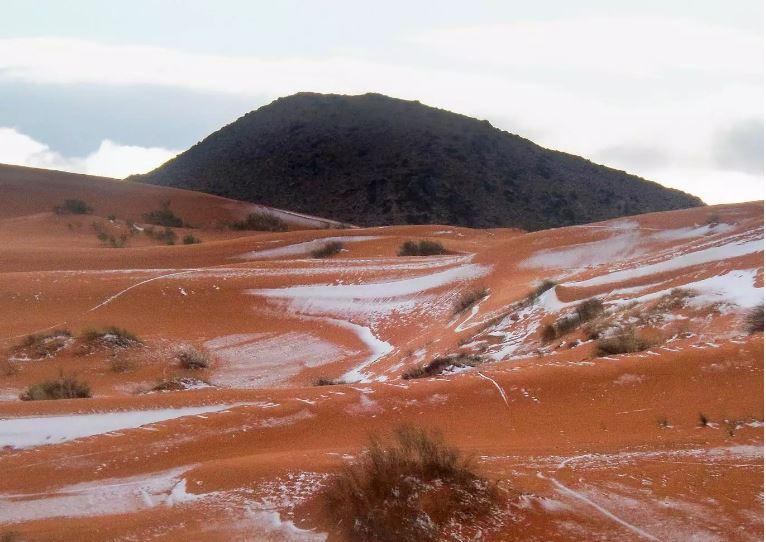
x: 324, y: 381
x: 260, y: 221
x: 413, y: 488
x: 585, y: 311
x: 673, y: 300
x: 469, y: 298
x: 704, y: 421
x: 713, y: 219
x: 44, y: 345
x: 423, y: 247
x: 120, y: 364
x: 163, y: 217
x: 330, y: 248
x: 539, y: 290
x: 624, y: 343
x: 73, y: 207
x: 111, y: 336
x: 589, y: 309
x: 191, y: 358
x: 191, y: 240
x: 179, y: 384
x: 64, y: 387
x: 754, y: 320
x: 440, y: 365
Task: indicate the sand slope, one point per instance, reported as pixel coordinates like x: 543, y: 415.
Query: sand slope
x: 603, y: 447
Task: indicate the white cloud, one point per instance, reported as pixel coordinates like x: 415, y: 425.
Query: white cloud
x: 579, y: 85
x: 109, y: 160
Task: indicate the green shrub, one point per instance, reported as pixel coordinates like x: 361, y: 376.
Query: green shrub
x: 73, y: 207
x: 329, y: 249
x: 415, y: 488
x: 163, y: 217
x: 64, y: 387
x: 260, y: 221
x: 421, y: 248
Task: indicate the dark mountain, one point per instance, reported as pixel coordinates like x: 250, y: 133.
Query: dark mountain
x: 374, y: 160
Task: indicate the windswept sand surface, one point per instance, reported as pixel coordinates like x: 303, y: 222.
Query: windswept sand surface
x: 593, y: 448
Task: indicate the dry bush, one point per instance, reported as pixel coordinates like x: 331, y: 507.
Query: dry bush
x: 624, y: 343
x: 112, y: 337
x: 179, y: 384
x: 191, y: 240
x: 260, y: 222
x: 585, y: 311
x: 411, y: 489
x: 121, y: 364
x: 163, y: 217
x: 64, y: 387
x: 43, y: 345
x: 754, y: 320
x: 325, y: 381
x: 73, y: 207
x: 469, y: 298
x: 440, y: 365
x: 421, y: 248
x: 539, y: 290
x: 330, y: 248
x: 191, y: 358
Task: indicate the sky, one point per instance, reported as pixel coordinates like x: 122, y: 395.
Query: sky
x: 670, y: 90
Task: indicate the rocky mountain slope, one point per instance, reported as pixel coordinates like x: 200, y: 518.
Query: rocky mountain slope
x: 607, y: 377
x: 374, y: 160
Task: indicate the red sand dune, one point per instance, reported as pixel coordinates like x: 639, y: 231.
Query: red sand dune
x: 594, y: 447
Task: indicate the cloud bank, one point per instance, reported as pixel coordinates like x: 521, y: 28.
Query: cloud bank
x: 109, y: 160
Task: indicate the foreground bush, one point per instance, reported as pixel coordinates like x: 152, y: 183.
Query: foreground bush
x: 754, y: 320
x: 73, y: 207
x: 440, y: 365
x: 330, y: 248
x: 64, y: 387
x: 421, y: 248
x: 260, y: 222
x: 411, y: 489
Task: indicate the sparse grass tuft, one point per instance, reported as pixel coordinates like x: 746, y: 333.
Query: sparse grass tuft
x: 440, y: 365
x: 329, y: 249
x: 413, y: 488
x: 73, y: 207
x: 754, y: 320
x: 421, y: 248
x: 261, y: 221
x: 193, y: 359
x: 469, y: 298
x: 44, y: 345
x: 191, y: 240
x: 64, y: 387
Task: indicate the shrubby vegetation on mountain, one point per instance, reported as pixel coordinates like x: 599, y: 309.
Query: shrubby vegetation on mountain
x: 374, y: 160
